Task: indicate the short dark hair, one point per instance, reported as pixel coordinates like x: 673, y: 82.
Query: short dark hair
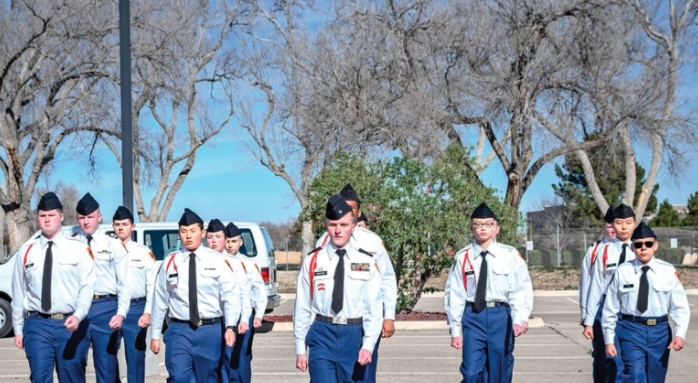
x: 199, y: 224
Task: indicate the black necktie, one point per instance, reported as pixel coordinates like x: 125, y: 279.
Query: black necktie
x: 643, y: 295
x: 622, y: 254
x: 338, y: 291
x: 481, y: 291
x: 89, y: 240
x: 193, y: 296
x: 46, y: 280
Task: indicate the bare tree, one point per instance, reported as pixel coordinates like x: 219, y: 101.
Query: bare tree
x: 54, y: 60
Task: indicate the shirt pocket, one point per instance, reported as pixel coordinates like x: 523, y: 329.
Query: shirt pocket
x: 628, y: 292
x: 360, y: 275
x: 102, y: 256
x: 136, y: 265
x: 33, y: 273
x: 501, y: 277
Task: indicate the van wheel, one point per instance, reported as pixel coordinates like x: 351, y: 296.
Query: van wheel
x: 5, y: 318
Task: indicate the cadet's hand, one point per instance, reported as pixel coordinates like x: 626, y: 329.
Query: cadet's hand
x: 611, y: 350
x: 677, y: 343
x: 257, y: 323
x: 19, y: 341
x: 115, y: 322
x: 517, y: 330
x: 364, y: 357
x: 229, y: 337
x: 524, y: 327
x: 155, y: 346
x: 588, y: 332
x: 388, y: 328
x: 457, y: 342
x: 242, y: 328
x: 72, y: 323
x: 301, y: 362
x: 144, y: 321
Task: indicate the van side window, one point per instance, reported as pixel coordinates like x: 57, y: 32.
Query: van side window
x: 248, y: 247
x: 161, y: 242
x: 267, y: 240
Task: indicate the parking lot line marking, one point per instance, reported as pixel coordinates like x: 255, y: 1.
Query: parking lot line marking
x: 573, y: 301
x: 554, y: 312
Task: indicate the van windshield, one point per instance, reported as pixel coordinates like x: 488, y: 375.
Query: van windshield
x: 163, y: 242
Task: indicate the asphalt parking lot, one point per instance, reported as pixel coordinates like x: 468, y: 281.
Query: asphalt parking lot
x: 556, y: 352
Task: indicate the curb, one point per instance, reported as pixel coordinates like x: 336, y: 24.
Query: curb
x: 536, y: 322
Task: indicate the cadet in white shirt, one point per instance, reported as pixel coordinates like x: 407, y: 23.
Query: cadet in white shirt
x: 590, y: 258
x: 609, y: 257
x: 239, y: 358
x: 365, y: 239
x: 52, y: 292
x: 338, y: 302
x: 197, y: 286
x: 487, y: 302
x: 112, y: 297
x: 644, y: 291
x: 142, y: 271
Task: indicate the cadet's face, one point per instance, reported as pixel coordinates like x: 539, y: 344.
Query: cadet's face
x: 484, y: 229
x: 355, y: 208
x: 644, y: 253
x: 340, y: 230
x: 123, y: 229
x: 610, y: 232
x: 216, y: 241
x: 232, y: 245
x: 90, y: 223
x: 624, y: 228
x: 191, y: 236
x: 50, y: 222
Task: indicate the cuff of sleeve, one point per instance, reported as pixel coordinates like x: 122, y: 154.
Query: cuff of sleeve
x: 389, y: 314
x: 18, y: 329
x: 300, y: 346
x: 80, y: 314
x: 608, y: 337
x: 589, y: 320
x: 368, y: 344
x: 156, y: 333
x: 122, y: 311
x: 456, y: 331
x: 680, y: 332
x: 516, y: 319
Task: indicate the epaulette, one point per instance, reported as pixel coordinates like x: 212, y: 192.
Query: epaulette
x: 315, y: 249
x: 75, y: 235
x: 38, y: 236
x: 113, y: 235
x: 511, y: 249
x: 365, y: 252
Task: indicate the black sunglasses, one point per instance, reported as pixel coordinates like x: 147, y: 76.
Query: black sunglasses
x: 648, y: 244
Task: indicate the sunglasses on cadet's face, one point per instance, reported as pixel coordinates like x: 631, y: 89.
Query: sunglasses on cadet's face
x: 648, y: 244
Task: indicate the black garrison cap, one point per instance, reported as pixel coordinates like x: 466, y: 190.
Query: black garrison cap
x: 337, y: 207
x: 362, y: 217
x: 349, y: 194
x: 189, y: 218
x: 623, y: 211
x: 231, y: 230
x: 215, y: 225
x: 643, y: 231
x: 483, y: 211
x: 608, y: 218
x: 87, y: 205
x: 49, y: 201
x: 121, y: 213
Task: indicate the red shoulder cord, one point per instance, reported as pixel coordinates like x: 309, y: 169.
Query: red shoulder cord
x: 466, y: 259
x: 593, y: 253
x: 27, y: 254
x: 313, y: 265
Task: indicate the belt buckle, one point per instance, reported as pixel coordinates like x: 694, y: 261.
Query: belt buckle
x: 491, y: 304
x: 199, y: 323
x: 339, y: 320
x: 96, y: 296
x: 57, y: 316
x: 651, y: 322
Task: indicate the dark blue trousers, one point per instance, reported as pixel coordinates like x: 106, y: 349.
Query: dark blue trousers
x: 488, y: 345
x: 105, y: 341
x: 645, y: 352
x: 605, y: 368
x: 47, y: 343
x: 193, y: 354
x: 333, y: 353
x: 237, y: 360
x: 372, y: 367
x: 134, y: 343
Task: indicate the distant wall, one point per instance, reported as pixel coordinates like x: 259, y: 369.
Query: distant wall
x: 294, y: 257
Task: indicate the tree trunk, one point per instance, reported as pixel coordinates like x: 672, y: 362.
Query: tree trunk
x: 17, y: 228
x: 308, y: 239
x: 514, y: 189
x: 3, y: 248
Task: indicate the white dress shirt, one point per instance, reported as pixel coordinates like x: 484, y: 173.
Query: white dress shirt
x: 215, y: 284
x: 142, y: 273
x: 111, y: 268
x: 243, y: 286
x: 508, y: 281
x: 72, y: 278
x: 585, y: 274
x: 601, y: 274
x: 665, y: 296
x: 369, y: 241
x: 257, y: 291
x: 362, y: 297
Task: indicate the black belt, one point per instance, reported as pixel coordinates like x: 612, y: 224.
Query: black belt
x: 339, y: 320
x: 491, y: 304
x: 649, y: 321
x: 202, y: 322
x: 49, y: 316
x: 98, y: 297
x: 136, y: 300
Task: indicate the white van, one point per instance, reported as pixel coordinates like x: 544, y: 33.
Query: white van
x: 163, y: 238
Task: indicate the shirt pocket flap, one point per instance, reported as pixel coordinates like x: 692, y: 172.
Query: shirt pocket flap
x: 501, y: 269
x: 663, y: 286
x: 136, y: 265
x: 360, y: 275
x: 68, y: 261
x: 102, y: 255
x: 210, y: 274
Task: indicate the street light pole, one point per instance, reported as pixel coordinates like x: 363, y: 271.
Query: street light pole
x: 126, y: 106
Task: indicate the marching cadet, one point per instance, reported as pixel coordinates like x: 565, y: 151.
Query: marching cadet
x: 363, y: 238
x: 202, y: 301
x: 338, y: 302
x: 142, y: 272
x: 112, y: 296
x: 215, y: 239
x: 486, y: 301
x: 52, y: 287
x: 609, y: 257
x: 242, y: 352
x: 644, y: 291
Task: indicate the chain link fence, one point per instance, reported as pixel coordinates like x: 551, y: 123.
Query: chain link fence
x: 566, y: 247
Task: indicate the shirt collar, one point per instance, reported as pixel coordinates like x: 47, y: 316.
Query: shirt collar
x: 331, y: 249
x: 638, y: 265
x: 43, y: 240
x: 477, y: 249
x: 186, y: 252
